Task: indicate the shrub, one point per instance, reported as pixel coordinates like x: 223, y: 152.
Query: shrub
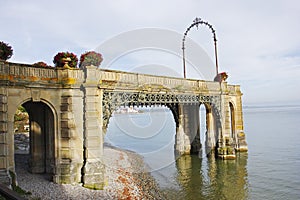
x: 221, y: 77
x: 62, y: 57
x: 90, y: 58
x: 5, y: 51
x: 41, y: 64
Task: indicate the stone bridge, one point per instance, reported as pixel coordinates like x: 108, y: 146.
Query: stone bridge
x: 69, y: 111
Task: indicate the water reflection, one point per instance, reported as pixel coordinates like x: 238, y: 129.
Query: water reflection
x: 211, y: 178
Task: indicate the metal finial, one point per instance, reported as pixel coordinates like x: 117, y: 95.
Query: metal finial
x: 196, y: 21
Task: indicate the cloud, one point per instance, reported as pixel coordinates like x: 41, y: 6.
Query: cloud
x: 258, y: 42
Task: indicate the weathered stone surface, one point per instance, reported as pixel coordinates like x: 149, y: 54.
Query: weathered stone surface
x: 69, y: 113
x: 94, y: 175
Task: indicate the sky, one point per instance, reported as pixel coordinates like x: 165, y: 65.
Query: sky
x: 258, y: 41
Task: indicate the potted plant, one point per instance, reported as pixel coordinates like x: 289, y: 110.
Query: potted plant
x: 5, y: 51
x: 90, y: 58
x: 221, y: 77
x: 41, y: 64
x: 65, y: 59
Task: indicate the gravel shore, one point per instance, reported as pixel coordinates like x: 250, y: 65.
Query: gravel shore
x: 126, y: 176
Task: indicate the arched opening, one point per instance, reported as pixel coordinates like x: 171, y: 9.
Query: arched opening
x: 207, y: 127
x: 39, y: 153
x: 21, y: 131
x: 147, y: 130
x: 232, y: 121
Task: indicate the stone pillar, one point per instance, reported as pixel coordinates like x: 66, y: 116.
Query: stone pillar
x: 211, y: 134
x: 226, y: 120
x: 225, y: 148
x: 93, y: 170
x: 239, y: 123
x: 70, y: 158
x: 4, y: 145
x: 182, y: 143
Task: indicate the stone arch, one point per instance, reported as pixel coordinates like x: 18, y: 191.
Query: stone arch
x: 175, y: 111
x: 43, y: 134
x: 210, y: 130
x: 108, y: 110
x: 112, y: 100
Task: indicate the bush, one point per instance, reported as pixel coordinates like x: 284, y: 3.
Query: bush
x: 62, y: 57
x: 221, y: 77
x: 90, y: 58
x: 41, y: 64
x: 5, y: 51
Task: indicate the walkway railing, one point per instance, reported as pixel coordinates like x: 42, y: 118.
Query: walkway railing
x: 138, y: 80
x: 19, y: 73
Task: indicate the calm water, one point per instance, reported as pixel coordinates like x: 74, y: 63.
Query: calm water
x: 270, y: 170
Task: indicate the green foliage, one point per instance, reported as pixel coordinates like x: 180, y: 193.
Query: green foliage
x: 20, y: 191
x: 22, y: 109
x: 16, y: 188
x: 5, y: 51
x: 21, y: 114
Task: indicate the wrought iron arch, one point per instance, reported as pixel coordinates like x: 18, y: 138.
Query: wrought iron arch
x: 197, y: 22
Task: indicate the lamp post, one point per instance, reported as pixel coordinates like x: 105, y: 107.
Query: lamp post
x: 197, y: 22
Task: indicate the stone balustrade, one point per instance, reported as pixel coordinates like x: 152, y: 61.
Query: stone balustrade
x: 14, y: 72
x: 234, y: 89
x: 172, y: 83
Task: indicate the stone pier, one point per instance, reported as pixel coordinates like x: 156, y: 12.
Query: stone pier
x: 69, y: 111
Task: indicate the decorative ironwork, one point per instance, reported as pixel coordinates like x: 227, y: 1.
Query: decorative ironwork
x: 112, y: 100
x: 197, y: 22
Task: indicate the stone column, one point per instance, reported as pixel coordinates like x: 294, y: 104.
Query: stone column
x: 70, y: 159
x: 225, y: 149
x: 211, y: 135
x: 93, y: 170
x: 4, y: 155
x: 182, y: 143
x: 239, y: 123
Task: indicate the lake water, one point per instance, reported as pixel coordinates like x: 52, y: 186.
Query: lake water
x: 270, y: 169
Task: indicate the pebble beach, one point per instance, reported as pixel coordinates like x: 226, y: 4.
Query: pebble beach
x: 126, y: 177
